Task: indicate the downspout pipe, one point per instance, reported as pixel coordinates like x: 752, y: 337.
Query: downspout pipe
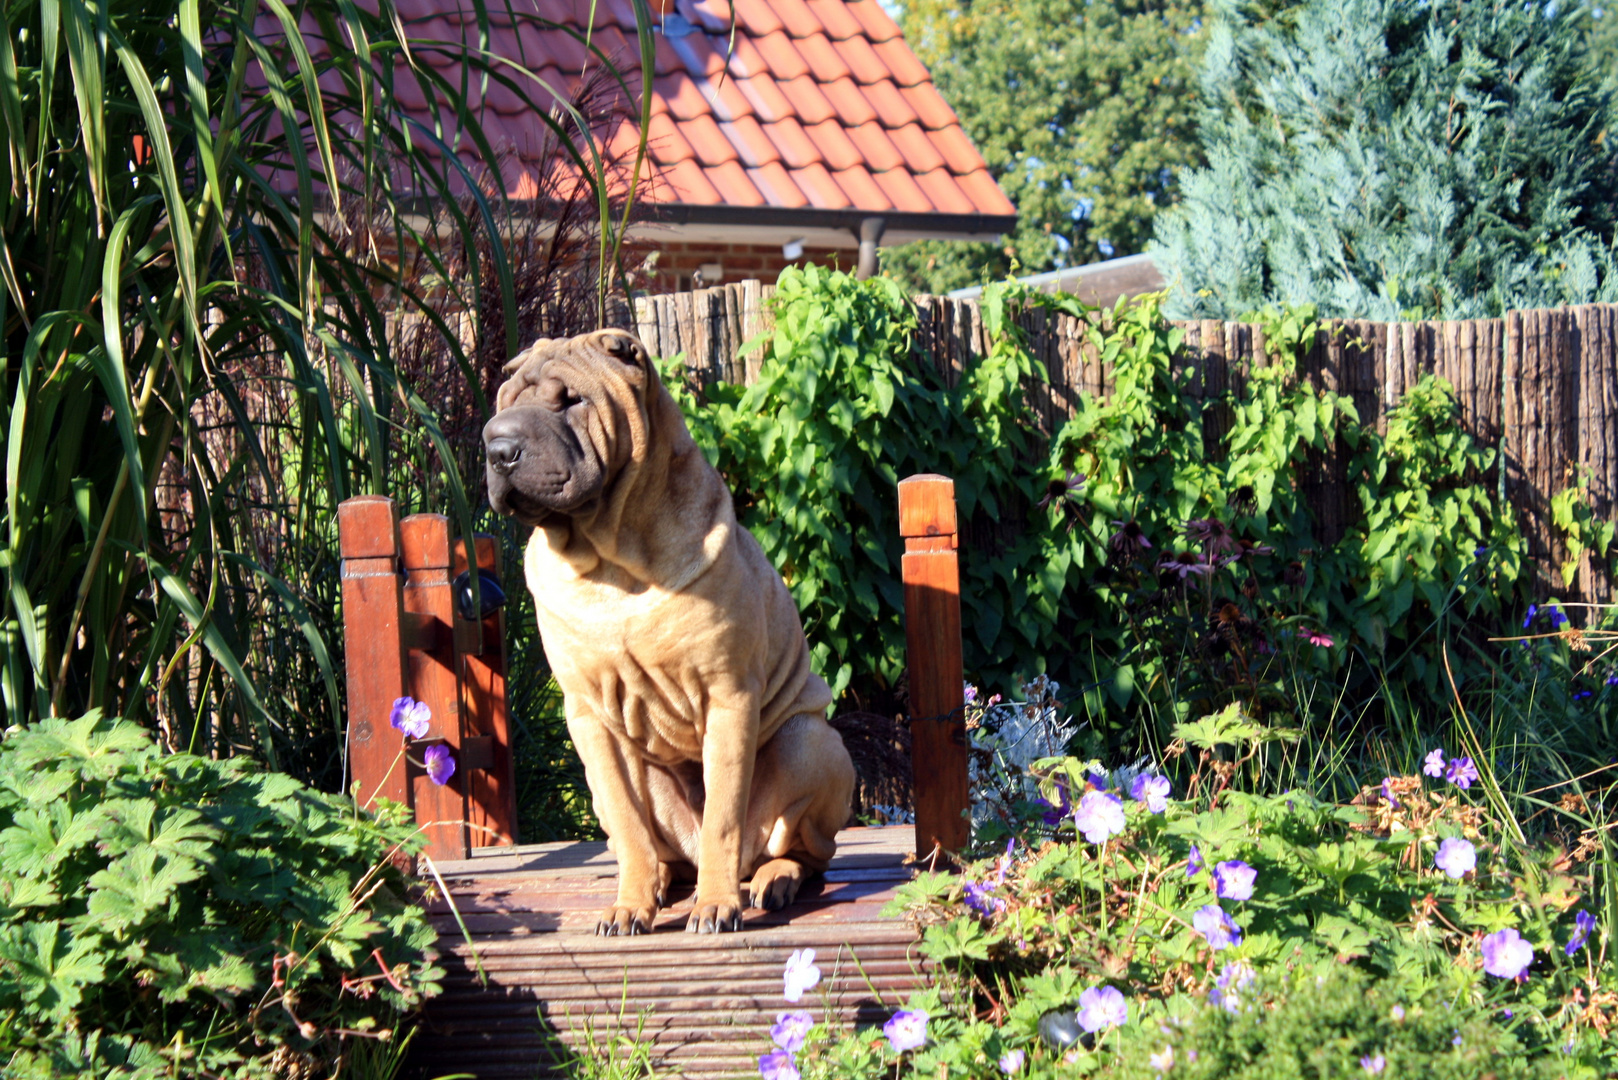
x: 870, y: 238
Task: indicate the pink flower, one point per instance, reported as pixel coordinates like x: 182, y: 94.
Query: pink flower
x: 1317, y: 638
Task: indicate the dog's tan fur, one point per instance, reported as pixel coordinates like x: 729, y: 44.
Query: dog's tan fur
x: 680, y: 654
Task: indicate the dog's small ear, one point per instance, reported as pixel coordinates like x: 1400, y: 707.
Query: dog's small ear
x: 622, y: 347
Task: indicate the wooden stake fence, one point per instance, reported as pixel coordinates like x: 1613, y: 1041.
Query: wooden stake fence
x: 1540, y: 386
x: 404, y: 636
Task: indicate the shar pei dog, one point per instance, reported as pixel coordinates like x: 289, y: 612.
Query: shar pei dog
x: 680, y: 654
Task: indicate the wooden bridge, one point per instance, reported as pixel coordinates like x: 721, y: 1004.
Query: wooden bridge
x: 703, y: 1004
x: 528, y: 986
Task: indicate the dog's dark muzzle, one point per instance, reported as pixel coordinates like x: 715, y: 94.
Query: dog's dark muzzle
x: 537, y: 465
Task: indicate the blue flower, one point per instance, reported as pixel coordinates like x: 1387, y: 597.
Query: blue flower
x: 1506, y: 955
x: 1456, y: 857
x: 1100, y: 816
x: 1461, y: 772
x: 777, y: 1065
x: 907, y: 1030
x: 1582, y: 694
x: 1212, y: 923
x: 439, y: 763
x: 1584, y: 924
x: 410, y: 717
x: 979, y: 899
x: 1533, y: 609
x: 791, y: 1029
x: 1102, y: 1007
x: 1153, y: 791
x: 1558, y: 619
x: 1193, y: 865
x: 1233, y: 880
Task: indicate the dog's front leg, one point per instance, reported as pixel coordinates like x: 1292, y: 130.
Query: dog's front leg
x: 617, y: 779
x: 729, y: 750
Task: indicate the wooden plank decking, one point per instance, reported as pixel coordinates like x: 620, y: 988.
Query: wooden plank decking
x: 704, y: 1002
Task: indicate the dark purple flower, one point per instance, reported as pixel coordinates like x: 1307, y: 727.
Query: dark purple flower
x: 1233, y: 880
x: 1506, y: 955
x: 1152, y: 790
x: 1214, y: 535
x: 980, y: 900
x: 1055, y: 814
x: 1060, y: 490
x: 440, y: 764
x: 1433, y: 764
x: 791, y: 1029
x: 778, y: 1065
x: 1584, y: 925
x: 1461, y: 772
x: 1102, y: 1007
x: 1193, y: 864
x: 1184, y: 563
x: 1456, y: 857
x: 411, y: 717
x: 1212, y: 923
x: 1099, y: 816
x: 1129, y: 541
x: 907, y: 1030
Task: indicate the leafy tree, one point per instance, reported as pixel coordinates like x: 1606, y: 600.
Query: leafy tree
x: 1083, y: 110
x: 1395, y: 158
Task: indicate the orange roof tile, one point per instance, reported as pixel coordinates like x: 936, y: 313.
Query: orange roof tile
x: 735, y: 189
x: 889, y: 104
x: 707, y: 141
x: 836, y: 149
x: 823, y: 58
x: 920, y: 153
x: 804, y: 104
x: 776, y: 186
x: 853, y: 106
x: 752, y: 145
x: 878, y: 150
x: 822, y: 190
x: 834, y: 16
x: 930, y: 105
x: 796, y: 148
x: 869, y: 14
x: 898, y: 59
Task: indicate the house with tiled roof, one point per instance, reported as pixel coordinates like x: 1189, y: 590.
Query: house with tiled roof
x: 808, y: 130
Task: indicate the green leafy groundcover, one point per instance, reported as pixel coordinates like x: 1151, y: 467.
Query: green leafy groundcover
x: 169, y: 915
x: 1411, y: 932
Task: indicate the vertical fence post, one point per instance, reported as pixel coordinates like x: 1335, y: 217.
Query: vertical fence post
x: 373, y: 623
x: 434, y: 667
x: 932, y: 588
x: 486, y: 746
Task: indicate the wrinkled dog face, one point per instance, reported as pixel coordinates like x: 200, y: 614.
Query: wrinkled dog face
x: 554, y: 442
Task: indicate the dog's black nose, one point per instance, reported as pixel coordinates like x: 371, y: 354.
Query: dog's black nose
x: 504, y: 454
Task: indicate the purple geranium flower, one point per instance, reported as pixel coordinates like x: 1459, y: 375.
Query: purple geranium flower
x: 800, y: 974
x: 1193, y: 864
x: 777, y: 1065
x: 1102, y: 1007
x: 411, y: 717
x: 907, y: 1030
x: 1011, y: 1062
x: 1456, y: 857
x: 1212, y: 923
x: 439, y: 763
x: 1584, y: 925
x: 1506, y: 955
x: 1461, y: 772
x: 980, y: 899
x: 1434, y: 763
x: 1373, y: 1064
x: 1152, y: 790
x: 1233, y: 880
x: 791, y: 1029
x: 1100, y: 816
x: 1387, y: 792
x: 1233, y: 979
x: 1055, y: 814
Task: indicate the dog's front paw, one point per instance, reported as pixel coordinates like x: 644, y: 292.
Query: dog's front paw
x: 620, y: 920
x: 776, y: 883
x: 715, y: 917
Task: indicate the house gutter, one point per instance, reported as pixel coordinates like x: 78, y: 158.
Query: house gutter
x: 963, y: 226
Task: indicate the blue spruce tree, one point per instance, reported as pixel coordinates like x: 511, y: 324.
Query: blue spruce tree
x: 1396, y: 158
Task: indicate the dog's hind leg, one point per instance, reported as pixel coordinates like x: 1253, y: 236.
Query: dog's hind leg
x: 803, y: 785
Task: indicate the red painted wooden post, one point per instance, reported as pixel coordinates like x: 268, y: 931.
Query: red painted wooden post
x: 434, y: 678
x: 373, y: 619
x: 491, y: 784
x: 932, y: 588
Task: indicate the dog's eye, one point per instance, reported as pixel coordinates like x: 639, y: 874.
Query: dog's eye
x: 557, y: 396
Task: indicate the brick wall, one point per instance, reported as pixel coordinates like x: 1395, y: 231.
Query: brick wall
x: 671, y: 265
